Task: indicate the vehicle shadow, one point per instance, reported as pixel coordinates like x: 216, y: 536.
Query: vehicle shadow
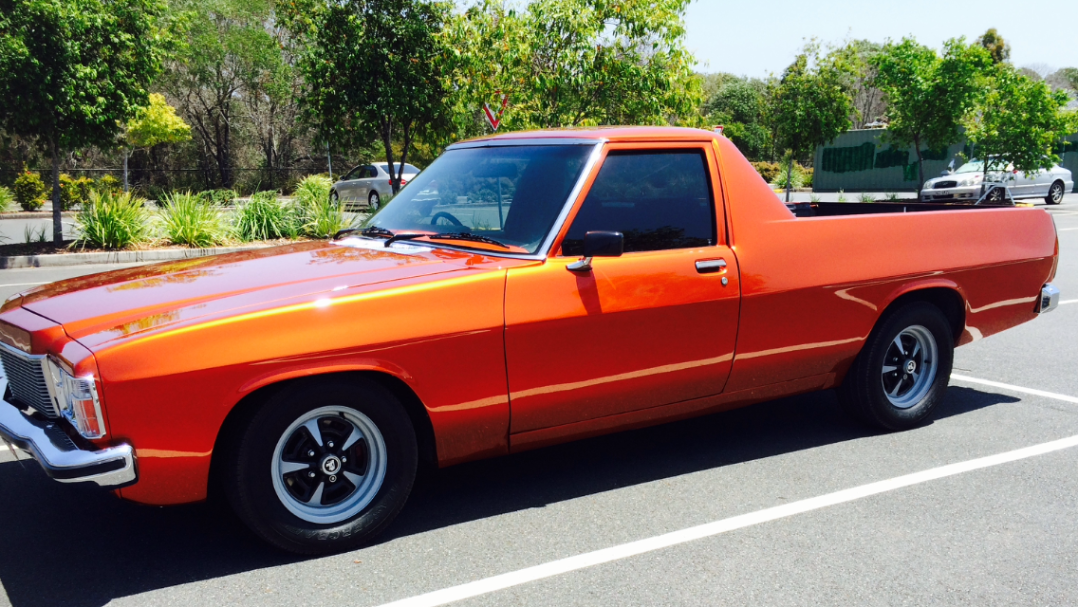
x: 79, y: 546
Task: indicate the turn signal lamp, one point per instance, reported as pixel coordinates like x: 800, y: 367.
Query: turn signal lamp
x: 79, y: 402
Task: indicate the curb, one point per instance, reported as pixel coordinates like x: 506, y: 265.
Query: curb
x: 35, y: 215
x: 75, y: 259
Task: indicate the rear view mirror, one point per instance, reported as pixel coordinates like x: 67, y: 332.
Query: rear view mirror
x: 599, y: 244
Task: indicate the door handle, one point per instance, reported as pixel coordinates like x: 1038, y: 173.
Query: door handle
x: 711, y: 266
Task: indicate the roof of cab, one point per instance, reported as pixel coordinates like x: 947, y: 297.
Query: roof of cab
x: 609, y: 133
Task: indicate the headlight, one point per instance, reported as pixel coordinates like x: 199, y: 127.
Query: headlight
x: 79, y: 402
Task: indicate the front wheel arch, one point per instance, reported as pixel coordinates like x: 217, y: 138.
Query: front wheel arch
x: 244, y: 410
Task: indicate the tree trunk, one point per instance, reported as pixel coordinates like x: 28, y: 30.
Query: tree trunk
x: 57, y: 207
x: 920, y: 167
x: 387, y: 142
x: 789, y: 172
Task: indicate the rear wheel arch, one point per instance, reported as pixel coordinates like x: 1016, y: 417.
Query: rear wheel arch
x: 948, y: 300
x: 244, y: 410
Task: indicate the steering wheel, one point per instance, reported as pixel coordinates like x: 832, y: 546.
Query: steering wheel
x: 445, y: 219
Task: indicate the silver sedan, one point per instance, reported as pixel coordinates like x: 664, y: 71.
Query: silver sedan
x: 369, y: 184
x: 965, y: 183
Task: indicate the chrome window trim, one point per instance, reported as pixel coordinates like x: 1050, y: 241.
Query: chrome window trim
x: 511, y: 142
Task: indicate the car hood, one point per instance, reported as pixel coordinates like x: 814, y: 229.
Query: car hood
x: 114, y: 305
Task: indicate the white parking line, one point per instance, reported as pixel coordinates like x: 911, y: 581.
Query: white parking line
x: 1069, y: 301
x: 1019, y: 389
x: 630, y: 549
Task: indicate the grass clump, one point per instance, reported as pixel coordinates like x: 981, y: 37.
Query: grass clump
x: 187, y: 219
x: 266, y: 217
x: 7, y: 199
x: 318, y: 215
x: 112, y: 220
x: 866, y: 197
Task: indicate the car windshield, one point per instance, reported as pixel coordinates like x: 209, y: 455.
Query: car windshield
x: 510, y: 194
x: 973, y: 166
x: 407, y: 167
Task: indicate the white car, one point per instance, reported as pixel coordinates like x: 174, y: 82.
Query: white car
x: 370, y: 184
x: 965, y: 183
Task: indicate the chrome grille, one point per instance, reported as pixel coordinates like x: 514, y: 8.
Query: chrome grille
x: 945, y: 184
x: 26, y: 378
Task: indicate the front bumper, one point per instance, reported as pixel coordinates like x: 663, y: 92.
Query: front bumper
x: 971, y: 192
x: 58, y: 454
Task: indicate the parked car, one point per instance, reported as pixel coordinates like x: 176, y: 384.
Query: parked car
x: 965, y: 183
x: 622, y: 277
x: 369, y: 185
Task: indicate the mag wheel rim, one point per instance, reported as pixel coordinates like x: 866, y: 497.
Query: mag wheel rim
x: 329, y: 465
x: 909, y: 367
x: 1057, y: 193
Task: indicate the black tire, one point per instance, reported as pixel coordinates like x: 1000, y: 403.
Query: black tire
x: 334, y: 197
x: 255, y: 493
x: 374, y: 201
x: 1055, y: 193
x: 864, y: 392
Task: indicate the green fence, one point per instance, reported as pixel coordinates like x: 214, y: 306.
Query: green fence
x: 861, y: 161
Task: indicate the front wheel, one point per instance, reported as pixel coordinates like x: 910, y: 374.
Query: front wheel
x: 374, y: 201
x: 1055, y: 193
x: 323, y: 466
x: 902, y: 372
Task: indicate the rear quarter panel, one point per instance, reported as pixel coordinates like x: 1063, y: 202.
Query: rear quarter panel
x: 813, y: 288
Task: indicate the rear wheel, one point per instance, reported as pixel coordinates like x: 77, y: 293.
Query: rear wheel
x: 374, y: 201
x: 1055, y: 193
x: 901, y: 374
x: 323, y: 466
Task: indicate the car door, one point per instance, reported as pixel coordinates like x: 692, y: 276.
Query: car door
x: 652, y: 327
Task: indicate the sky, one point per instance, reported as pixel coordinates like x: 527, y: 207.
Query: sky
x: 760, y: 38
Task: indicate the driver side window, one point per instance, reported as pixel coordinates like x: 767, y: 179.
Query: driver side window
x: 658, y: 199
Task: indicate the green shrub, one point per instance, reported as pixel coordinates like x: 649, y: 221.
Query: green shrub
x: 266, y: 217
x: 7, y: 198
x: 30, y: 191
x: 318, y: 216
x: 74, y: 192
x: 112, y: 220
x: 797, y: 177
x: 767, y: 170
x: 108, y: 183
x: 218, y: 197
x: 189, y: 220
x: 33, y: 235
x: 807, y: 173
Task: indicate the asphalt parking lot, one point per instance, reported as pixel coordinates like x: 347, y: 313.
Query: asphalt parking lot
x: 783, y: 503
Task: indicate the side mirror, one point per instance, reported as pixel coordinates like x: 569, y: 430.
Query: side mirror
x: 599, y: 244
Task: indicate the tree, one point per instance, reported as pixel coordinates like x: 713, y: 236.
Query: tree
x: 1065, y: 78
x: 809, y: 107
x: 854, y: 61
x: 73, y: 71
x: 232, y: 68
x: 739, y: 104
x: 372, y: 67
x: 567, y: 63
x: 996, y: 46
x: 1019, y: 122
x: 154, y: 125
x: 928, y: 96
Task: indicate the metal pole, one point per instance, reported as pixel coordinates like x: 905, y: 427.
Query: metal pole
x: 125, y: 169
x: 329, y: 161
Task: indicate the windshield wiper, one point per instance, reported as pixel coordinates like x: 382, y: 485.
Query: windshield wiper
x: 468, y: 236
x: 369, y: 232
x: 403, y: 236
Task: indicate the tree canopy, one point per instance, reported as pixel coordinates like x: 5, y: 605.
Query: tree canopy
x: 73, y: 71
x: 574, y: 62
x: 1019, y: 122
x: 929, y: 95
x: 372, y: 67
x: 996, y: 46
x: 155, y: 124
